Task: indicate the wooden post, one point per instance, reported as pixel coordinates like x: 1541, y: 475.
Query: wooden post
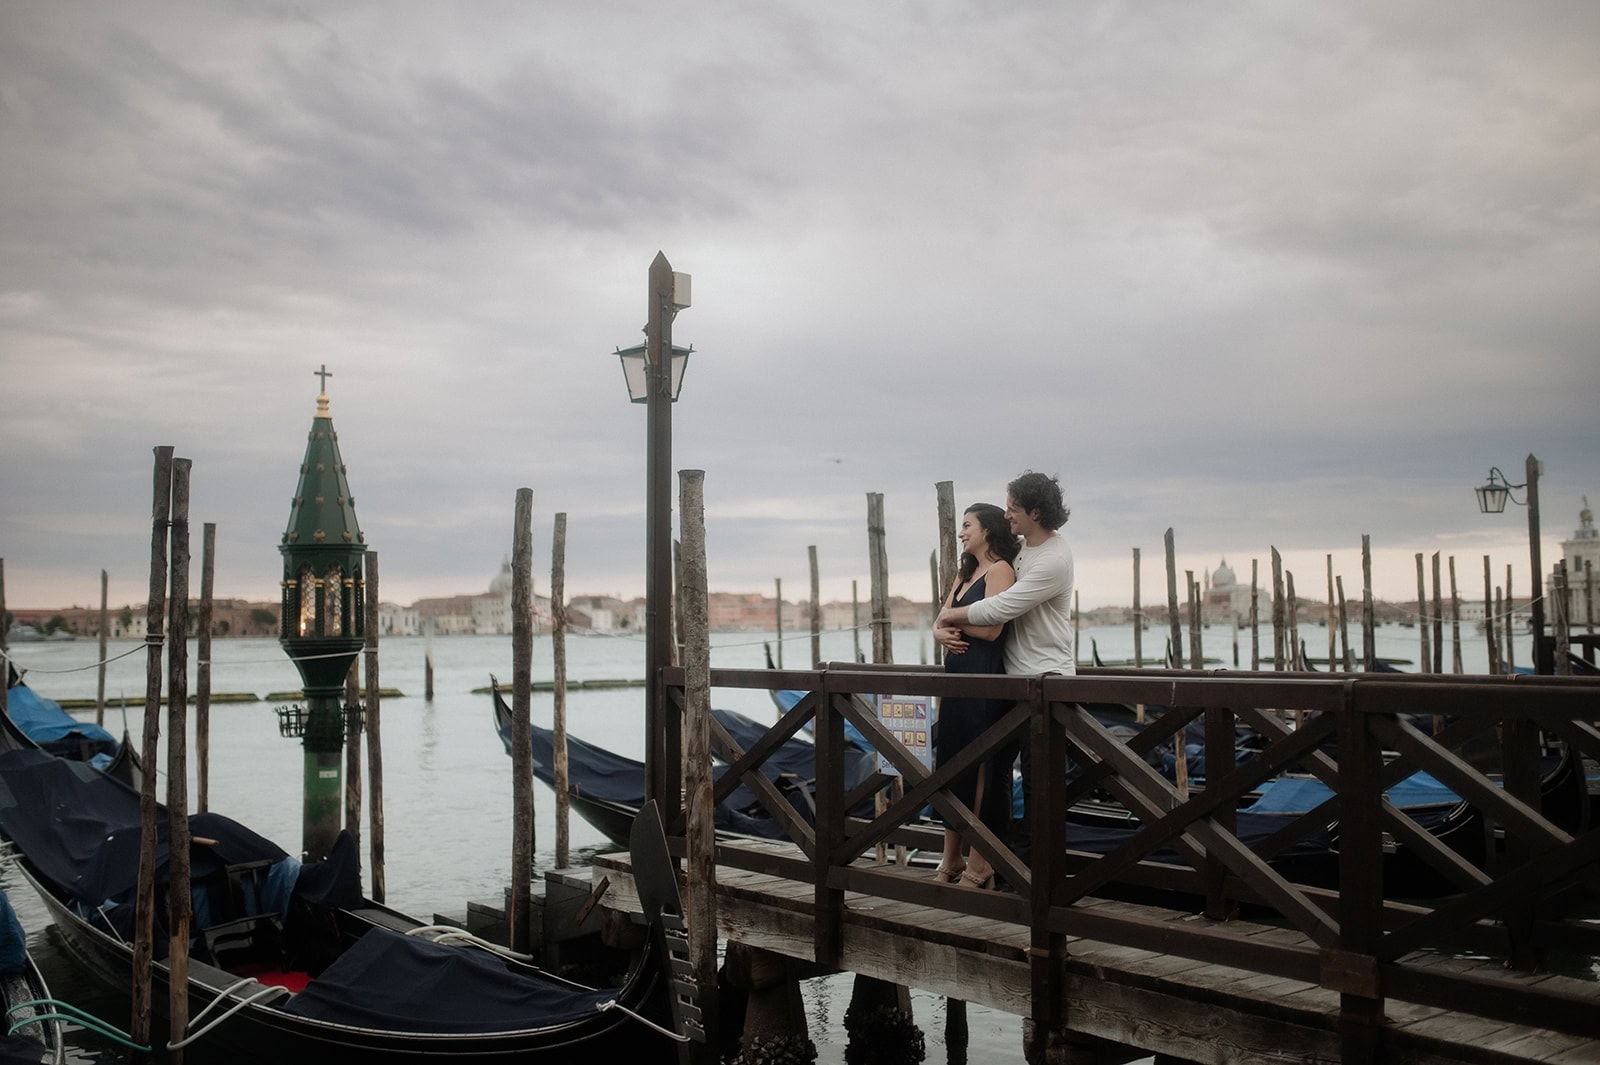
x: 949, y: 551
x: 816, y: 609
x: 1174, y: 629
x: 937, y: 601
x: 179, y: 903
x: 427, y: 659
x: 1455, y: 621
x: 1344, y: 629
x: 1292, y: 605
x: 155, y: 626
x: 1489, y: 619
x: 1438, y: 620
x: 1509, y: 627
x: 100, y: 670
x: 1502, y: 649
x: 1138, y: 617
x: 878, y: 559
x: 700, y: 834
x: 1332, y: 651
x: 1278, y: 633
x: 777, y: 583
x: 1192, y: 593
x: 202, y: 670
x: 1588, y: 595
x: 1425, y: 662
x: 517, y: 914
x: 352, y: 748
x: 1255, y: 614
x: 1369, y: 648
x: 374, y: 735
x: 855, y: 619
x: 1559, y: 609
x: 558, y: 654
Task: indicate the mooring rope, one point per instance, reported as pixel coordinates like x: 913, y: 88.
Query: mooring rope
x: 267, y: 991
x: 66, y: 1011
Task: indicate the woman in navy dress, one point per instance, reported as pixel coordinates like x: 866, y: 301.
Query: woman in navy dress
x: 988, y: 549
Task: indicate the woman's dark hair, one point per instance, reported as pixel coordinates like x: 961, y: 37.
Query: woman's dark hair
x: 1034, y: 491
x: 1002, y: 541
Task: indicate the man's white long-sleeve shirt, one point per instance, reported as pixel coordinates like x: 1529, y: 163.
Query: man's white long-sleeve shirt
x: 1039, y: 607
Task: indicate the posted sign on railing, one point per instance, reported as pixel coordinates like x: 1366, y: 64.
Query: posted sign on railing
x: 909, y: 718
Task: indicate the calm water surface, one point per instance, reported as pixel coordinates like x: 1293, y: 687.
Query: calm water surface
x: 447, y: 781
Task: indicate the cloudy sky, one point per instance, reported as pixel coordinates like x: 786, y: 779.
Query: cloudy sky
x: 1267, y: 274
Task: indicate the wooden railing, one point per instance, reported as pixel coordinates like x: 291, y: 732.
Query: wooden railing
x: 1510, y: 861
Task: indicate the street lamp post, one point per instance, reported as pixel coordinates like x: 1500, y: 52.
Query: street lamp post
x: 1492, y: 500
x: 660, y: 380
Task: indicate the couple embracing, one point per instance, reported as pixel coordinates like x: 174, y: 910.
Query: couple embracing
x: 1009, y: 611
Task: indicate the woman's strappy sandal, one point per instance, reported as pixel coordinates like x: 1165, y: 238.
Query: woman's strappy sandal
x: 950, y: 874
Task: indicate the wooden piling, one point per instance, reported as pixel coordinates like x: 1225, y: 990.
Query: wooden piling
x: 1192, y: 592
x: 374, y: 729
x: 427, y: 659
x: 1344, y: 628
x: 1278, y: 634
x: 1438, y: 620
x: 100, y: 669
x: 700, y: 872
x: 522, y: 831
x: 936, y: 600
x: 1425, y: 660
x: 352, y: 748
x: 1138, y: 617
x: 155, y: 626
x: 1332, y: 651
x: 179, y: 903
x: 1292, y: 606
x: 1369, y: 648
x: 202, y: 666
x: 855, y: 619
x: 777, y: 583
x: 816, y: 609
x: 1559, y: 622
x: 1455, y: 621
x: 878, y: 560
x: 558, y: 654
x: 1255, y: 614
x: 1175, y: 631
x: 1509, y: 629
x: 949, y: 552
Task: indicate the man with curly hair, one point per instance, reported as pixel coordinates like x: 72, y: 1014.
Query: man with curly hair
x: 1038, y: 607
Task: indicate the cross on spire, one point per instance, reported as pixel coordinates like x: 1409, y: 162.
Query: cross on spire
x: 323, y: 373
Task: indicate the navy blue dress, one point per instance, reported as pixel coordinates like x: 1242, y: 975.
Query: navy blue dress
x: 963, y: 720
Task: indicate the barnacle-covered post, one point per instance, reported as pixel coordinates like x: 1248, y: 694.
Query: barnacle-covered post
x: 324, y: 621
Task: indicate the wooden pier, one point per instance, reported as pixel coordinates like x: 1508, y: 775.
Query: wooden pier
x: 1182, y: 937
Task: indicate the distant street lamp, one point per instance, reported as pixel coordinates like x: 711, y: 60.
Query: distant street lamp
x: 1492, y: 500
x: 655, y: 380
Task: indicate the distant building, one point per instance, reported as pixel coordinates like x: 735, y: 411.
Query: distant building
x: 1582, y: 555
x: 487, y: 614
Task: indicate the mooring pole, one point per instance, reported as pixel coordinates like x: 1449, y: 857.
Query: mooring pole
x: 179, y: 904
x: 155, y: 622
x: 521, y: 726
x: 374, y: 730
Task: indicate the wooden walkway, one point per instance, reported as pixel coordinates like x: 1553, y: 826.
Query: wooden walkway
x: 1158, y: 1003
x: 1338, y: 969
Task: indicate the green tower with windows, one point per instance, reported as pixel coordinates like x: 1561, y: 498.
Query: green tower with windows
x: 323, y: 621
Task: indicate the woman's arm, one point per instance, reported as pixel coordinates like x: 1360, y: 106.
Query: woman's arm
x: 1000, y: 577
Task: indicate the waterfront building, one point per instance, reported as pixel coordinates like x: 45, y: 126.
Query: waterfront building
x: 1581, y: 552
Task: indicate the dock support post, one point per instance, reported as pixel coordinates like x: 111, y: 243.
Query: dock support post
x: 774, y: 1026
x: 880, y: 1024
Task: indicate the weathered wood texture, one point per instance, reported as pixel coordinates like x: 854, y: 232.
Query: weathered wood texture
x: 518, y: 912
x: 180, y: 912
x: 558, y: 655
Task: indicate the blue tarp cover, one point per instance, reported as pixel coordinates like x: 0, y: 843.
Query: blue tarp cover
x: 1296, y: 795
x: 45, y: 723
x: 401, y: 983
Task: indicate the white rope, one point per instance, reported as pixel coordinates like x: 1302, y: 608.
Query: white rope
x: 444, y: 933
x: 668, y: 1032
x: 266, y: 992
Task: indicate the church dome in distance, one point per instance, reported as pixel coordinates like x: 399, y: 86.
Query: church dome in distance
x: 501, y: 585
x: 1223, y: 576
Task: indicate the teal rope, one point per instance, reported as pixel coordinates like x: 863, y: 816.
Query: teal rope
x: 76, y: 1016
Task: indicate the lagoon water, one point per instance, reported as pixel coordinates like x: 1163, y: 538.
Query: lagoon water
x: 447, y: 780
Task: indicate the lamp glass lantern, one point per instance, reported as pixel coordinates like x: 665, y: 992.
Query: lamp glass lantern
x: 1492, y: 496
x: 634, y: 371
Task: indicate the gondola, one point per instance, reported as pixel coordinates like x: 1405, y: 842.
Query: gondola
x: 291, y: 962
x: 44, y: 722
x: 30, y: 1035
x: 607, y: 789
